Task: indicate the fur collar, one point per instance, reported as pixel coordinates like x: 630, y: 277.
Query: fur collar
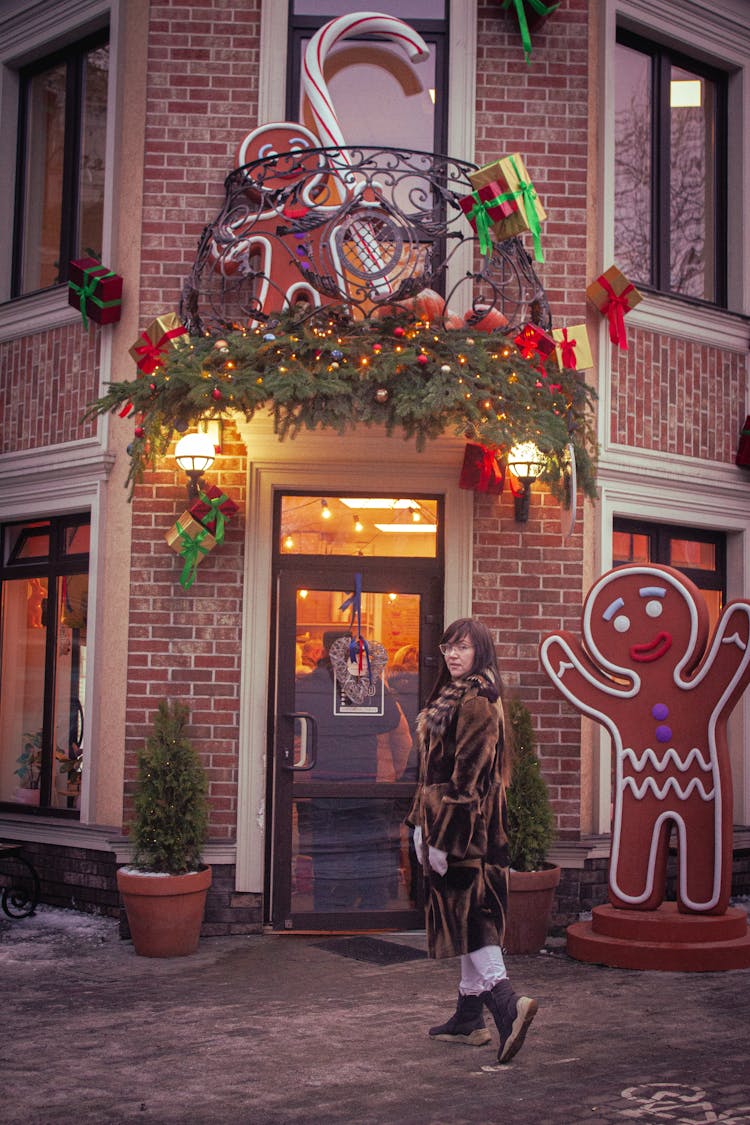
x: 434, y: 720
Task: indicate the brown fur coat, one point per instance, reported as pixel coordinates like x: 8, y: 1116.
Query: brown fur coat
x: 460, y: 807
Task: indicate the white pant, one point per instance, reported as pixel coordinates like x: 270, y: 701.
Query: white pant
x: 481, y: 970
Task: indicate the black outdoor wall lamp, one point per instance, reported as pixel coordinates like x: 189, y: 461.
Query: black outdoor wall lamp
x: 195, y: 454
x: 525, y: 463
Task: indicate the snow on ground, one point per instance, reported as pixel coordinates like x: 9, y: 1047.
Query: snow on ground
x: 54, y: 932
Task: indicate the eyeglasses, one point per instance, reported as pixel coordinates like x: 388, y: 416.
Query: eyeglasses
x: 461, y: 649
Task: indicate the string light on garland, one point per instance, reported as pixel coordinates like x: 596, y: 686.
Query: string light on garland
x: 422, y: 381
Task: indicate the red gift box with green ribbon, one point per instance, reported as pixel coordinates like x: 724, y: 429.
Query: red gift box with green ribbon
x: 212, y: 509
x: 95, y: 291
x: 485, y: 208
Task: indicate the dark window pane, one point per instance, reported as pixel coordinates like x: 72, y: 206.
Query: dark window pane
x: 93, y: 138
x: 693, y: 554
x: 404, y: 9
x: 43, y: 178
x: 633, y: 170
x: 692, y: 192
x: 24, y: 542
x: 380, y: 96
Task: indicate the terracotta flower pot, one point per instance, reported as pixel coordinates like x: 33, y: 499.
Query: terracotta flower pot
x: 530, y: 898
x: 164, y: 912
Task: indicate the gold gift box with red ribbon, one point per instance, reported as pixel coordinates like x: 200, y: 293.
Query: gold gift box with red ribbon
x: 572, y: 348
x: 614, y: 296
x: 166, y: 331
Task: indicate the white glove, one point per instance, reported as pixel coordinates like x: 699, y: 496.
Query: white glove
x: 418, y: 847
x: 438, y: 860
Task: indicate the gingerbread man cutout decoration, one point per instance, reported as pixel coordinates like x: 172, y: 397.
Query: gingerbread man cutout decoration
x: 647, y: 670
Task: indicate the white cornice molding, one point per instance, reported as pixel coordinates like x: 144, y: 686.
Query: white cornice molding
x: 52, y: 479
x: 669, y: 316
x: 37, y: 313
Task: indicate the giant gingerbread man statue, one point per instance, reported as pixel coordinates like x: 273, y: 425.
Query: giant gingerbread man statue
x: 646, y: 669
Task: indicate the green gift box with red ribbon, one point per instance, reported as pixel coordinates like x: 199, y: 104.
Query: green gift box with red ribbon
x: 192, y: 542
x: 528, y: 214
x: 485, y: 208
x: 213, y: 508
x: 165, y: 332
x: 95, y: 291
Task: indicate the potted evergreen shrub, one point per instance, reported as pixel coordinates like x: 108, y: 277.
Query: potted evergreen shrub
x: 164, y: 890
x: 531, y: 830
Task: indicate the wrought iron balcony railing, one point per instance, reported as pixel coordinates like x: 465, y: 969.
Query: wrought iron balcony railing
x: 363, y: 230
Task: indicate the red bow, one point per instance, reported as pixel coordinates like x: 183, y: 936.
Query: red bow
x: 614, y: 309
x: 567, y: 350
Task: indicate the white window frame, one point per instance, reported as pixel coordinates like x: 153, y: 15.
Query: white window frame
x: 30, y: 31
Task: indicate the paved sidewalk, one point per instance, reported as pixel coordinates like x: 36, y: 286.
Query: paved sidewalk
x: 277, y: 1030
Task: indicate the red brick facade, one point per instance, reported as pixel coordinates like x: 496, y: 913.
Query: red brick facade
x: 674, y: 396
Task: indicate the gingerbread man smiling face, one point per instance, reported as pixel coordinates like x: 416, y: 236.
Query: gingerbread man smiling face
x: 645, y: 671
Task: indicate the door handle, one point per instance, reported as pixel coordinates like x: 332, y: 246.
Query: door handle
x: 311, y: 743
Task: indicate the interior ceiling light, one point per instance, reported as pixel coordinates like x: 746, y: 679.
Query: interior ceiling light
x: 384, y: 503
x: 406, y: 527
x: 325, y: 511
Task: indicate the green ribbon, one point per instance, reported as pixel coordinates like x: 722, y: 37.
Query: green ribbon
x: 482, y: 220
x: 86, y: 291
x: 527, y: 192
x: 214, y: 513
x: 537, y: 6
x: 192, y: 550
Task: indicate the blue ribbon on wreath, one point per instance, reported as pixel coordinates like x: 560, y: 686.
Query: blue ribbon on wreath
x: 358, y: 646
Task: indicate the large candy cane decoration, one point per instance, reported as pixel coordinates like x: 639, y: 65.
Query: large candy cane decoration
x: 316, y: 91
x: 345, y: 27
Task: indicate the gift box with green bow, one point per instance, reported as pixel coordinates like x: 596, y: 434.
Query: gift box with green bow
x: 192, y: 541
x: 486, y: 208
x: 95, y: 291
x: 213, y: 508
x: 510, y: 173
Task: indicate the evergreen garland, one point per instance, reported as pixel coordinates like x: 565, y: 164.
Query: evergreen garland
x: 419, y: 378
x: 171, y: 807
x: 531, y: 827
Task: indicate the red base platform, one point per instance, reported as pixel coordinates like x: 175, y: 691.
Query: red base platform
x: 662, y: 939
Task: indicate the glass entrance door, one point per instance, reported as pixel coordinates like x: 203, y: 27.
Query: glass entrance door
x: 344, y: 755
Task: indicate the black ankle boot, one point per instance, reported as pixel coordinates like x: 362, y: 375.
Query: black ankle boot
x: 512, y: 1015
x: 466, y: 1025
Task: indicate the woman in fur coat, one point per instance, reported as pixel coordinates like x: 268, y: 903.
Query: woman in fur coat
x: 460, y: 837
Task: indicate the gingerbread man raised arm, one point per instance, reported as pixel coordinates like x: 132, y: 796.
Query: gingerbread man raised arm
x: 644, y: 670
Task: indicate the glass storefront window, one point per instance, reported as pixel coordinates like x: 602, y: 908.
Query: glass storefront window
x: 359, y: 526
x: 43, y: 667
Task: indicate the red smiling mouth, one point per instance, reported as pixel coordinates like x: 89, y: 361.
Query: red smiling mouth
x: 653, y: 650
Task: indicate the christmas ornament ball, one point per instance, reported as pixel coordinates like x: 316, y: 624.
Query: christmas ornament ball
x: 216, y: 393
x: 180, y: 426
x: 336, y: 353
x: 382, y: 394
x: 139, y: 431
x: 399, y: 331
x: 269, y: 336
x: 423, y: 360
x: 445, y: 369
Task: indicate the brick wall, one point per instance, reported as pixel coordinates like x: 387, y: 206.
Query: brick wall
x: 187, y: 644
x: 65, y: 363
x: 677, y: 396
